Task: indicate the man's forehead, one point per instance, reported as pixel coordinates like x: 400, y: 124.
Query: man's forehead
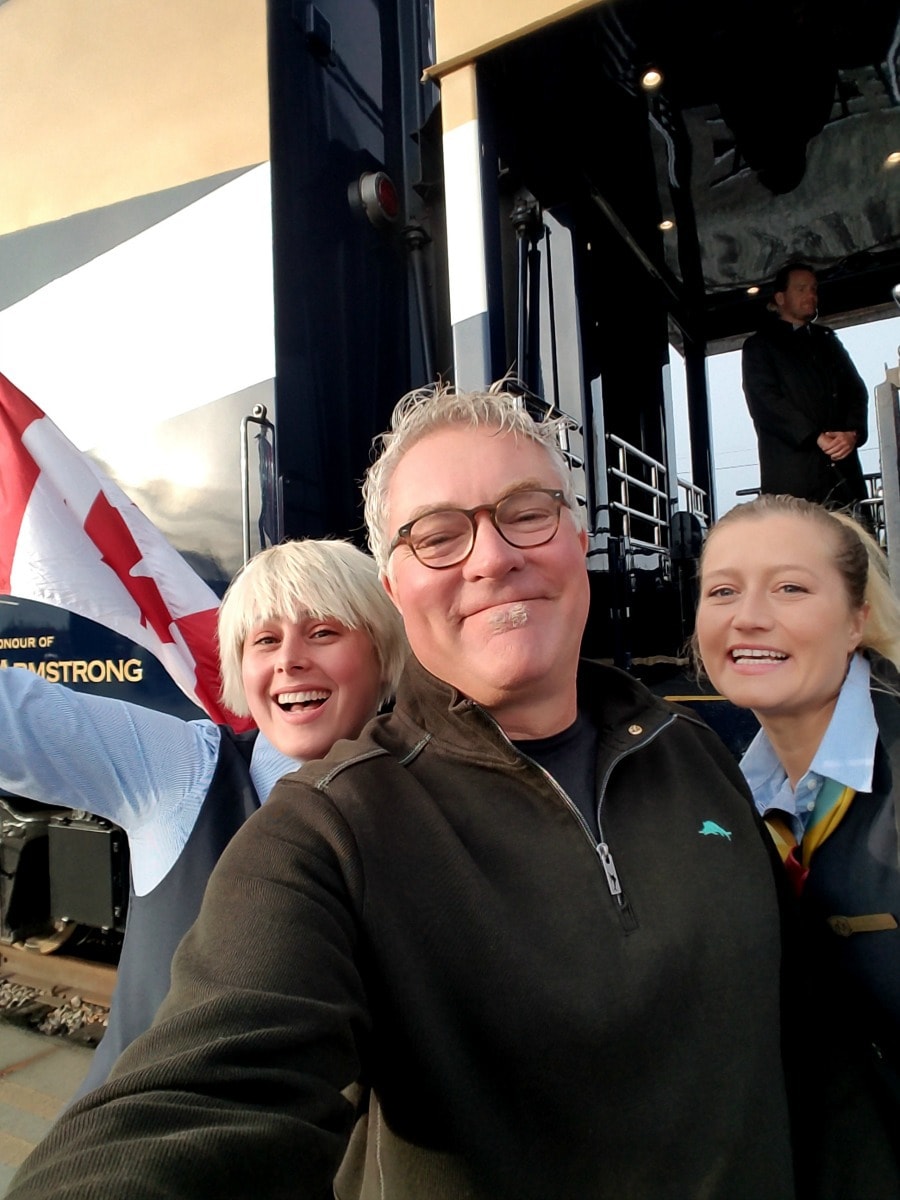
x: 510, y: 441
x: 504, y: 462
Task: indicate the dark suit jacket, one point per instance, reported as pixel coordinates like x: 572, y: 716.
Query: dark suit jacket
x: 800, y: 383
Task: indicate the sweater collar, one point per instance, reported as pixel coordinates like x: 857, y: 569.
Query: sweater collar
x: 620, y: 706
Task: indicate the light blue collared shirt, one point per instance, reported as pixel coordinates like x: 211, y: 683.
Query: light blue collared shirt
x: 846, y: 754
x: 144, y: 770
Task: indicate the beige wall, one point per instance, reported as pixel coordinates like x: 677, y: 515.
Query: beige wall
x: 464, y: 29
x: 101, y: 100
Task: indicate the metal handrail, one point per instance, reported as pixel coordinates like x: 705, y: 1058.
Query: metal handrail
x: 636, y: 453
x: 636, y: 512
x: 695, y: 498
x: 663, y: 505
x: 638, y: 483
x: 258, y: 416
x: 658, y: 518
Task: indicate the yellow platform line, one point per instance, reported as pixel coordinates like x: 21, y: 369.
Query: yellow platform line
x: 13, y: 1150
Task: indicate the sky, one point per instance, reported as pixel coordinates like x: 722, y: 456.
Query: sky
x: 872, y: 347
x: 155, y: 326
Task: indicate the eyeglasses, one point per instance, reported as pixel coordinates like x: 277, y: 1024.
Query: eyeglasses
x: 445, y: 538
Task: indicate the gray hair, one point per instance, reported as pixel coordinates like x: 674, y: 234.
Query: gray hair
x: 423, y: 412
x: 321, y: 579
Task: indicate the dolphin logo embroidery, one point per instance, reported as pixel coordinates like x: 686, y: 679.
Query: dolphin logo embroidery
x: 710, y: 827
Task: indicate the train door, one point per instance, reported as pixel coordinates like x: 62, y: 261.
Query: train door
x: 554, y: 252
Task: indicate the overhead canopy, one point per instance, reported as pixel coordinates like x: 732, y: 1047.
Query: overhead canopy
x: 769, y: 137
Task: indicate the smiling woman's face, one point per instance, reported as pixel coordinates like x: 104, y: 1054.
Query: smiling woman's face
x: 309, y: 683
x: 775, y: 627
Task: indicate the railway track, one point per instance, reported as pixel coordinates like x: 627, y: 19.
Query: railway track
x: 55, y: 993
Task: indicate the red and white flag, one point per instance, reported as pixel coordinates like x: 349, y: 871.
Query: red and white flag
x: 70, y: 537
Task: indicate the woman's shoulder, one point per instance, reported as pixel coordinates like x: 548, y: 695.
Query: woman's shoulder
x: 884, y: 677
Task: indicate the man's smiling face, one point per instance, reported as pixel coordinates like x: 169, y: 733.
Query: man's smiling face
x: 504, y: 626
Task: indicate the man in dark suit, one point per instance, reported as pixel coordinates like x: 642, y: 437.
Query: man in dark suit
x: 807, y: 400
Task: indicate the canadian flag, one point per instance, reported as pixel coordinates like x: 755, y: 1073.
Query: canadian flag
x: 70, y: 537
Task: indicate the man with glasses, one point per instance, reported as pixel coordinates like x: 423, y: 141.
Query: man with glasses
x: 520, y: 940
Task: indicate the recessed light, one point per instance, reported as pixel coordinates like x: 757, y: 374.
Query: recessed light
x: 753, y: 291
x: 651, y: 79
x: 666, y: 225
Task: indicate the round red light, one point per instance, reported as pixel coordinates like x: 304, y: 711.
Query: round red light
x: 387, y: 196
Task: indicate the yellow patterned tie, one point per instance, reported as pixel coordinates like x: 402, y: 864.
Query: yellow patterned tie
x: 832, y: 803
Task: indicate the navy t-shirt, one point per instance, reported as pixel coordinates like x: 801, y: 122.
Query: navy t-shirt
x: 571, y: 758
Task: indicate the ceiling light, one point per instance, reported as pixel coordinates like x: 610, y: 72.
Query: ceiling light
x: 651, y: 79
x: 893, y: 159
x: 666, y: 225
x: 753, y: 291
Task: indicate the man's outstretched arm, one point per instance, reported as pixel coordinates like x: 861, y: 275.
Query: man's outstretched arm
x: 236, y: 1089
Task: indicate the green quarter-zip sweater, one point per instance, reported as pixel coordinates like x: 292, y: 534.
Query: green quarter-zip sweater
x: 419, y: 943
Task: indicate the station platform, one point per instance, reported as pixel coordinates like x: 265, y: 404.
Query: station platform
x: 38, y: 1075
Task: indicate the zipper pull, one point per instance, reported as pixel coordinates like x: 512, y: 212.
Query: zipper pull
x: 609, y: 869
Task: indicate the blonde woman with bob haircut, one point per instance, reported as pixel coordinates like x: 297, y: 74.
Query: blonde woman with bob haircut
x: 797, y: 621
x: 334, y: 579
x: 311, y: 647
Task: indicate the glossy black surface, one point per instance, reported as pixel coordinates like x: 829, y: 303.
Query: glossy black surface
x: 766, y: 139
